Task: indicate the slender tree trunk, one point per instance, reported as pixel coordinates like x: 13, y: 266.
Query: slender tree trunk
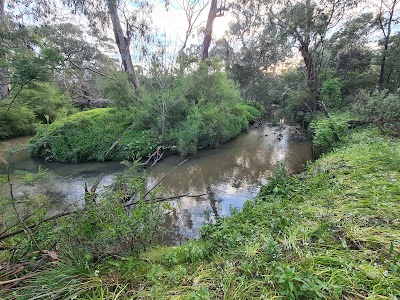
x: 122, y: 42
x: 3, y: 57
x: 312, y: 76
x: 383, y: 64
x: 387, y: 34
x: 312, y: 82
x: 212, y: 14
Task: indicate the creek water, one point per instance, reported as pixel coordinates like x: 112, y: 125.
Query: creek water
x: 225, y: 177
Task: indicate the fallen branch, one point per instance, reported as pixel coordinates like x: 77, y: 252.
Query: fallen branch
x: 15, y: 280
x: 149, y: 191
x: 64, y: 214
x: 166, y: 199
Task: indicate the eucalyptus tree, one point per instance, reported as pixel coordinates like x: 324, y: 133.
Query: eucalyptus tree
x: 80, y: 58
x: 129, y: 20
x: 304, y: 25
x: 3, y: 70
x: 214, y: 12
x: 387, y: 18
x: 192, y: 10
x: 351, y: 54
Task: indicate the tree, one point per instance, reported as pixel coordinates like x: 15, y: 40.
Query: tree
x: 129, y: 20
x: 307, y: 23
x: 281, y: 25
x: 214, y: 12
x: 386, y: 23
x: 351, y: 54
x: 193, y: 10
x: 3, y: 56
x: 80, y: 61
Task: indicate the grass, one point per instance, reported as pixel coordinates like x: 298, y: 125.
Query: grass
x: 332, y: 232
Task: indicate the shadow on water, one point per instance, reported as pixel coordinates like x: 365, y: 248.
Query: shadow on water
x: 227, y: 176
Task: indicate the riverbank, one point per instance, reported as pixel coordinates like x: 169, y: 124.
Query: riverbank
x: 331, y: 232
x: 115, y: 134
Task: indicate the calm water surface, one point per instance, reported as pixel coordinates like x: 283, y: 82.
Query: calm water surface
x: 228, y: 176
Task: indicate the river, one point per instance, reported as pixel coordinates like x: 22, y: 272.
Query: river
x: 228, y: 176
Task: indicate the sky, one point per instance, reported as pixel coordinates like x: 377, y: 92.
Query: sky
x: 174, y: 24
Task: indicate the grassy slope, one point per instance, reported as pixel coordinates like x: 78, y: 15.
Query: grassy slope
x: 326, y: 233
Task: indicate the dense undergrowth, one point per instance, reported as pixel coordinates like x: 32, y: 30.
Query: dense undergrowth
x: 113, y: 134
x: 332, y: 232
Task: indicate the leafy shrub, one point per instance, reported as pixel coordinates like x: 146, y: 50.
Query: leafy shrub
x: 378, y: 107
x: 90, y: 135
x: 208, y: 84
x: 329, y: 132
x: 211, y: 126
x: 16, y: 121
x: 108, y: 227
x: 118, y: 89
x: 331, y: 93
x: 44, y: 99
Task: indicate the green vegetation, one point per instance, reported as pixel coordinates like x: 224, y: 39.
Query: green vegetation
x: 90, y: 135
x: 205, y: 111
x: 331, y: 232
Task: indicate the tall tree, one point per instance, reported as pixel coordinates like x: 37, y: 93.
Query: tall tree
x: 386, y: 19
x: 129, y: 21
x: 214, y: 12
x: 3, y: 56
x: 304, y: 25
x: 193, y: 10
x: 307, y: 23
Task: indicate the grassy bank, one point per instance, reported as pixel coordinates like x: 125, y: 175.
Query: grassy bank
x: 332, y: 232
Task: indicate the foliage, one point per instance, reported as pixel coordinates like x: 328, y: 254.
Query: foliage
x: 329, y: 132
x: 199, y: 110
x: 105, y: 226
x: 331, y: 93
x: 16, y: 121
x: 119, y: 89
x: 312, y: 239
x: 213, y: 125
x: 90, y: 135
x: 382, y: 108
x: 44, y: 99
x: 109, y: 227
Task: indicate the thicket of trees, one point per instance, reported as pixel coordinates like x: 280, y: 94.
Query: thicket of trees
x: 307, y: 56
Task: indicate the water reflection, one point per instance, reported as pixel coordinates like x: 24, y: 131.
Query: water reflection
x: 228, y: 176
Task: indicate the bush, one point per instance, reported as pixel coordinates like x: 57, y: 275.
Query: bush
x: 378, y: 107
x: 16, y: 121
x: 118, y: 89
x: 44, y: 99
x: 329, y: 132
x: 90, y: 135
x: 211, y: 126
x: 108, y: 227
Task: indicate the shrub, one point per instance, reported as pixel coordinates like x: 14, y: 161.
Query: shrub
x: 16, y: 121
x: 379, y: 107
x: 44, y: 99
x: 329, y: 132
x: 90, y: 135
x: 211, y: 126
x: 331, y: 93
x: 118, y: 89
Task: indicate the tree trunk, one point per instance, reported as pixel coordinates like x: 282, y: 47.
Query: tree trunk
x: 311, y: 76
x: 3, y: 57
x: 122, y: 42
x: 212, y: 14
x: 383, y: 64
x: 387, y: 34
